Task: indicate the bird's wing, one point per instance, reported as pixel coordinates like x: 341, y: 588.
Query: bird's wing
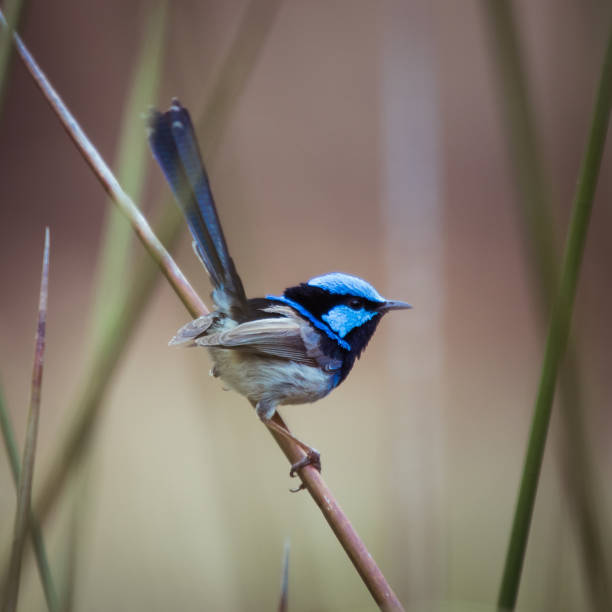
x: 189, y: 332
x: 276, y: 337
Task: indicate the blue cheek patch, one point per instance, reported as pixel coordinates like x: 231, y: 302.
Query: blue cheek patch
x: 343, y: 319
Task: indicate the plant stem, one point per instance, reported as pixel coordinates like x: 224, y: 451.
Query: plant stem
x: 534, y: 205
x: 115, y: 261
x: 558, y: 334
x: 143, y: 230
x: 40, y: 550
x: 339, y: 522
x: 24, y: 489
x: 114, y: 265
x: 14, y: 10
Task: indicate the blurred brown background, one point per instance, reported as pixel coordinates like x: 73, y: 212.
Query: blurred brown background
x: 369, y: 138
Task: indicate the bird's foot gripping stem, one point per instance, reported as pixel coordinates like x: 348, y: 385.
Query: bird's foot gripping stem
x: 312, y: 456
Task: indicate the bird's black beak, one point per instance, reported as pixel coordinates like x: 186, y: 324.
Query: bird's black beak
x: 393, y: 305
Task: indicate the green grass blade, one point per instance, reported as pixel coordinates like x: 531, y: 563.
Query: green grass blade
x: 10, y: 442
x: 14, y: 9
x: 40, y: 550
x: 524, y: 147
x: 24, y: 489
x: 114, y: 262
x: 131, y: 164
x: 534, y: 203
x: 240, y: 60
x: 557, y: 335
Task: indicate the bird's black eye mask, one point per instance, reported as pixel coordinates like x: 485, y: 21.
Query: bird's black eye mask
x: 319, y: 301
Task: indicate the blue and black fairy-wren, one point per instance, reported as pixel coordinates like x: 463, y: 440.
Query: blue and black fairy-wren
x: 289, y: 349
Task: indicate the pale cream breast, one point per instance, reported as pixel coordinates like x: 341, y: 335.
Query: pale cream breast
x: 263, y: 379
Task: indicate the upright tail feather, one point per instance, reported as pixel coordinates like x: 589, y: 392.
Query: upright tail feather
x: 173, y: 142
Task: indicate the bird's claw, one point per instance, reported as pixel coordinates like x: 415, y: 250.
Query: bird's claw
x: 312, y: 457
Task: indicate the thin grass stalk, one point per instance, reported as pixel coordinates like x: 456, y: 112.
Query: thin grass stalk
x: 14, y: 10
x: 132, y: 158
x: 108, y: 181
x: 255, y: 26
x: 68, y: 585
x: 81, y: 504
x: 558, y: 334
x: 24, y: 489
x: 580, y: 481
x: 524, y: 148
x: 339, y: 522
x: 283, y: 602
x: 535, y: 206
x: 114, y: 264
x: 108, y: 358
x: 40, y: 550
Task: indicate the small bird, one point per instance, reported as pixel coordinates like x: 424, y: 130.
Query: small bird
x: 289, y: 349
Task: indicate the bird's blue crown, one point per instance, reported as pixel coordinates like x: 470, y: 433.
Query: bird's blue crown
x: 338, y: 283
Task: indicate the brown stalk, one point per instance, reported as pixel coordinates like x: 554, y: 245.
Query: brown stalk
x: 338, y: 521
x: 24, y: 489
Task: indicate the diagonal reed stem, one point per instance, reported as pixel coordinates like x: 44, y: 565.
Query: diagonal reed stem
x: 558, y: 334
x: 338, y: 521
x: 24, y: 489
x: 143, y: 230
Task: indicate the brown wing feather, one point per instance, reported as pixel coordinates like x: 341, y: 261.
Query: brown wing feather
x: 277, y: 337
x: 189, y: 332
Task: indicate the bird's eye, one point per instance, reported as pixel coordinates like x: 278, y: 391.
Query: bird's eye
x: 354, y: 303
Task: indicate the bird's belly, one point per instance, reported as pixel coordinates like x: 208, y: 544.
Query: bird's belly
x: 271, y: 380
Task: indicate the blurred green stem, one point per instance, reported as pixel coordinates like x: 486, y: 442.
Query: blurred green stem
x: 118, y: 331
x: 534, y: 202
x: 114, y: 262
x: 14, y: 10
x: 131, y: 165
x: 558, y: 334
x: 26, y: 474
x: 522, y: 139
x: 40, y: 550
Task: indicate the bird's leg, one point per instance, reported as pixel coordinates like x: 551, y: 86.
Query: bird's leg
x: 265, y: 412
x: 313, y: 457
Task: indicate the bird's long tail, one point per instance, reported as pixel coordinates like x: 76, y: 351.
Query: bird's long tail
x: 173, y: 142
